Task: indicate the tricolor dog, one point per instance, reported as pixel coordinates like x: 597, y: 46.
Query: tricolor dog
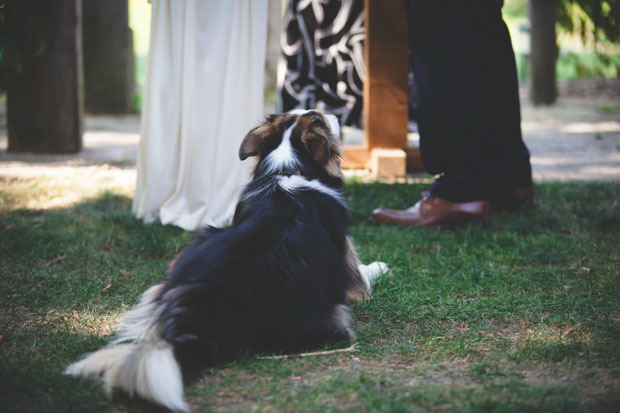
x: 280, y: 279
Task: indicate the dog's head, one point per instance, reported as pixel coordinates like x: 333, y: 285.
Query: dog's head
x: 294, y: 141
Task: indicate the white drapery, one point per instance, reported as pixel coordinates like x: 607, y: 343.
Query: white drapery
x: 203, y: 92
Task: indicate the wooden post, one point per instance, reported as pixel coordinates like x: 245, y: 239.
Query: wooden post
x: 108, y: 56
x: 543, y: 51
x: 385, y: 90
x: 274, y: 29
x: 44, y: 105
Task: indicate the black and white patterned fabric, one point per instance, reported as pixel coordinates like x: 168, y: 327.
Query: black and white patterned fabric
x: 323, y: 51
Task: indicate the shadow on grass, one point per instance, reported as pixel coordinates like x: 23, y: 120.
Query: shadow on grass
x: 66, y: 274
x: 35, y: 383
x: 96, y: 254
x: 484, y: 294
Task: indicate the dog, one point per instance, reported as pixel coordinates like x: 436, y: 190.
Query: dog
x: 280, y: 279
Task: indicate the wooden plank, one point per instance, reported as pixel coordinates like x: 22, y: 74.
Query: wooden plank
x: 386, y: 84
x: 355, y: 157
x: 388, y: 163
x: 359, y: 157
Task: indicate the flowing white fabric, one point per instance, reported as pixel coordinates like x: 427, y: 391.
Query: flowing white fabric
x: 204, y: 91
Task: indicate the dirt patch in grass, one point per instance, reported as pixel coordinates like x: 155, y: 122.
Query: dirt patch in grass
x: 19, y: 320
x: 249, y: 389
x: 589, y: 384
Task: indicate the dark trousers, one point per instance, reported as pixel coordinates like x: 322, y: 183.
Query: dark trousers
x: 468, y: 103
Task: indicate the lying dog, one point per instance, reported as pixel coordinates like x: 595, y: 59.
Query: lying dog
x: 280, y: 279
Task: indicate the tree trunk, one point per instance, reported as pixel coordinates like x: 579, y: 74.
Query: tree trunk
x: 543, y: 51
x: 44, y: 109
x: 108, y: 56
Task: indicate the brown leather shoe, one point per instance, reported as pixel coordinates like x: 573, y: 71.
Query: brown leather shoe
x: 432, y: 211
x: 512, y: 198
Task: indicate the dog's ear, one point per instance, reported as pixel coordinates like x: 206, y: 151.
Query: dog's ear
x: 315, y: 140
x: 254, y: 140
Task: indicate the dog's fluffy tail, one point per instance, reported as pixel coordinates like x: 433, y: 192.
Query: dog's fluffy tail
x: 145, y: 366
x: 147, y: 369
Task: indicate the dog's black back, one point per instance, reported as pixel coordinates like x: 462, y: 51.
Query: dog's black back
x: 270, y: 283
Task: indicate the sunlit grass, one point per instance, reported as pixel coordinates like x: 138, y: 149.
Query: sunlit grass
x: 521, y: 315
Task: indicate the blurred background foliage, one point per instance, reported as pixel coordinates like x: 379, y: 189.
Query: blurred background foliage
x: 593, y: 19
x: 588, y: 37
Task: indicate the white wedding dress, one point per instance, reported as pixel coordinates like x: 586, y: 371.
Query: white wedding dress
x: 204, y: 91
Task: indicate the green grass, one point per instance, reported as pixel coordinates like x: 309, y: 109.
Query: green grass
x: 471, y: 319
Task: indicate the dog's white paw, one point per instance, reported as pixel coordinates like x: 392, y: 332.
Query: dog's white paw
x: 373, y: 271
x: 383, y: 267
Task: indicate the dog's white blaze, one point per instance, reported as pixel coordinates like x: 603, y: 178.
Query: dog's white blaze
x: 333, y: 124
x: 298, y: 111
x: 296, y: 183
x: 283, y: 156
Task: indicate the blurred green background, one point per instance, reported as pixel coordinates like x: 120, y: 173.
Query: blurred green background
x: 576, y: 59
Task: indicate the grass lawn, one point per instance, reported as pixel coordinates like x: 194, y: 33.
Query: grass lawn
x: 522, y: 315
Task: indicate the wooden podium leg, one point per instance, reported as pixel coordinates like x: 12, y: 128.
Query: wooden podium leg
x: 386, y: 104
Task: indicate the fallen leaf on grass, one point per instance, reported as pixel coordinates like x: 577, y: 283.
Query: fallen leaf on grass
x: 573, y: 329
x: 125, y: 273
x: 584, y: 270
x: 106, y: 288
